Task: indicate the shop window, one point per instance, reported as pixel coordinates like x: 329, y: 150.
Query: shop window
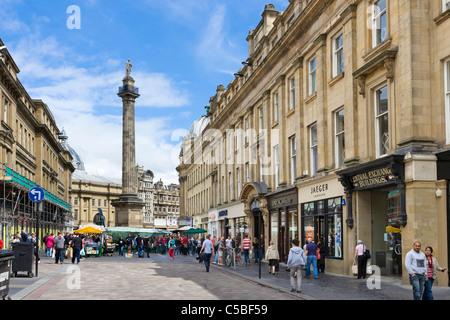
x: 322, y: 220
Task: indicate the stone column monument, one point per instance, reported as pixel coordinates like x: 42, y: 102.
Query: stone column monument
x: 128, y: 207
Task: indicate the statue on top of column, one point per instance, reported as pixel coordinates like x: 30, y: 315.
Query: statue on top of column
x: 128, y: 68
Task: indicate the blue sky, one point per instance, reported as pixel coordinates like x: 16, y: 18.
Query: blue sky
x: 180, y: 51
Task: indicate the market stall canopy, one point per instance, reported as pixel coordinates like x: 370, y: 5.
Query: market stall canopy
x: 118, y: 232
x: 89, y: 229
x: 195, y: 230
x: 186, y: 228
x: 393, y: 229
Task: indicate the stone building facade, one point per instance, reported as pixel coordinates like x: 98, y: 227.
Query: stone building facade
x: 31, y: 155
x: 335, y: 129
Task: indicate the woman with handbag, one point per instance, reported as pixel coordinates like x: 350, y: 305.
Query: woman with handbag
x: 362, y: 260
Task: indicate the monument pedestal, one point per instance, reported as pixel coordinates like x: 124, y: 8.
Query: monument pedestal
x: 128, y: 211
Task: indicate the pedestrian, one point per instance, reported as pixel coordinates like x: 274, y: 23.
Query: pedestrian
x: 199, y: 248
x: 185, y: 245
x: 311, y: 258
x: 207, y: 250
x: 432, y: 269
x: 221, y: 250
x: 178, y: 247
x: 49, y: 244
x: 139, y: 246
x: 1, y: 241
x: 34, y: 241
x: 321, y: 256
x: 256, y: 249
x: 272, y: 256
x: 121, y: 244
x: 415, y: 263
x: 163, y: 245
x: 23, y: 236
x: 171, y: 245
x: 129, y: 242
x: 59, y: 248
x: 77, y: 245
x: 246, y: 247
x: 295, y: 263
x: 362, y: 261
x: 146, y: 245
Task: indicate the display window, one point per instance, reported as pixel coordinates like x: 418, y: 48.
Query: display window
x: 322, y: 220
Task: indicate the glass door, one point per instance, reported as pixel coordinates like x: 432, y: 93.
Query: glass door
x: 386, y: 232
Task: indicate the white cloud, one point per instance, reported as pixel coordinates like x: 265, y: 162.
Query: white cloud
x: 74, y: 94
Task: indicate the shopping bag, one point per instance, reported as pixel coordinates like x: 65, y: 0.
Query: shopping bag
x: 369, y: 269
x: 355, y: 268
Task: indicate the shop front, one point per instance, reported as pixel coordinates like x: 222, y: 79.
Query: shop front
x: 377, y: 209
x: 322, y: 204
x: 283, y: 220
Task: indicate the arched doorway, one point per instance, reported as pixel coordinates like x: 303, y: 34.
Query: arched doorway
x: 253, y: 195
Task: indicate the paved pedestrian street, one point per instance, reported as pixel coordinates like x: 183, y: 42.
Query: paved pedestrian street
x: 120, y: 278
x: 183, y: 278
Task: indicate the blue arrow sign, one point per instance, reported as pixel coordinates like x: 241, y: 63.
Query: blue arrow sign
x: 36, y: 194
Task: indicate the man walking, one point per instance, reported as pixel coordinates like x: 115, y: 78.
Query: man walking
x: 311, y: 258
x: 59, y: 247
x: 415, y: 263
x: 208, y: 249
x: 77, y: 244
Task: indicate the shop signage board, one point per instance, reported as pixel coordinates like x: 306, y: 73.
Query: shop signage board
x: 372, y: 178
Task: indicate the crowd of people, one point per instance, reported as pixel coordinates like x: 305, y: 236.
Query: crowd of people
x: 421, y: 266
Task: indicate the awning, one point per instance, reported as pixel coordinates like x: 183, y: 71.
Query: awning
x: 393, y: 229
x: 196, y: 230
x: 89, y: 229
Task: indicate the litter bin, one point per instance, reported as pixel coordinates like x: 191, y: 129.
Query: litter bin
x: 6, y: 258
x: 23, y: 258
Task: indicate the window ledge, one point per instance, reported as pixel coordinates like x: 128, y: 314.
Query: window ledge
x: 336, y: 79
x: 442, y: 17
x: 311, y: 98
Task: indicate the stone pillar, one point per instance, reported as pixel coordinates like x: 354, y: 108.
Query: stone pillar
x: 128, y: 207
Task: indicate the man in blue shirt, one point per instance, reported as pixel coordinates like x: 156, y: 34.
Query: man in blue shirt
x: 208, y: 250
x: 311, y: 258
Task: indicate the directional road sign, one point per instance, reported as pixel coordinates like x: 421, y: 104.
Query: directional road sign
x: 36, y: 194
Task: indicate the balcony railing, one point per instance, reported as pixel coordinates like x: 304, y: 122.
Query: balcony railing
x: 128, y: 88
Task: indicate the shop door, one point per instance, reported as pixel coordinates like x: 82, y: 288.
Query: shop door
x: 386, y: 233
x: 320, y: 229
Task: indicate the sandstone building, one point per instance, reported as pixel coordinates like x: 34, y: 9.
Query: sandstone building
x: 31, y: 155
x: 337, y: 128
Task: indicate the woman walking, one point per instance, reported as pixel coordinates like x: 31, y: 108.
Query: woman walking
x: 432, y: 268
x: 272, y: 256
x: 171, y: 244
